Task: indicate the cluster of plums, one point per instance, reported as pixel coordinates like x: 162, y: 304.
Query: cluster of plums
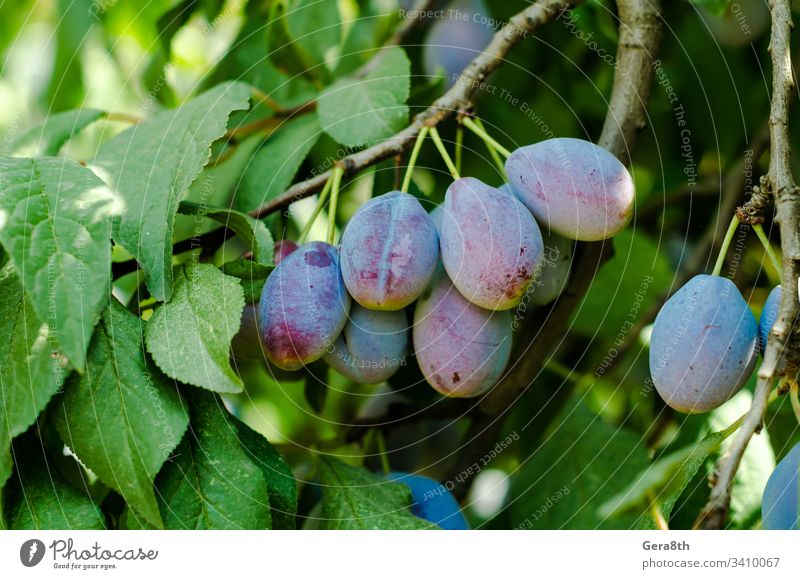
x: 455, y: 272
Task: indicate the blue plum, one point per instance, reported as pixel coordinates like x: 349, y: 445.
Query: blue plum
x: 454, y: 41
x: 768, y: 316
x: 703, y: 345
x: 304, y: 306
x: 432, y: 501
x: 575, y: 188
x: 462, y: 349
x: 779, y: 504
x: 491, y: 245
x: 372, y: 346
x: 389, y: 252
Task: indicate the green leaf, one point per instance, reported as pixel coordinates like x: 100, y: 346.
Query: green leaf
x: 122, y: 418
x: 40, y: 498
x: 55, y: 222
x: 279, y: 477
x: 581, y: 463
x: 251, y: 275
x: 305, y: 36
x: 75, y: 19
x: 190, y: 337
x: 31, y: 366
x: 363, y: 111
x: 354, y: 498
x: 47, y: 138
x: 211, y: 482
x: 152, y: 164
x: 275, y: 164
x: 252, y: 231
x: 621, y: 293
x: 663, y: 481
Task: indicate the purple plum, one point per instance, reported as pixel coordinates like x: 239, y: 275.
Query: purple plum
x: 304, y: 306
x: 283, y: 248
x: 575, y: 188
x: 491, y: 245
x: 389, y: 252
x: 462, y: 349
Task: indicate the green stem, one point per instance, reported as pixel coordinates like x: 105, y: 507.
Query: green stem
x: 478, y: 130
x: 381, y: 444
x: 793, y: 397
x: 725, y: 244
x: 337, y: 181
x: 437, y: 140
x: 412, y: 160
x: 323, y: 196
x: 494, y: 154
x: 768, y: 247
x: 559, y: 369
x: 459, y: 146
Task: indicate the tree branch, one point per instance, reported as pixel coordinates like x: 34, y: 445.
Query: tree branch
x: 640, y: 36
x: 456, y: 99
x: 782, y: 342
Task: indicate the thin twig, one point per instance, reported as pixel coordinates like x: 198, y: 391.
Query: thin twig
x: 781, y: 343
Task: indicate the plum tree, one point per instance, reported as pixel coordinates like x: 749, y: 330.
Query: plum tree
x: 389, y: 252
x: 579, y: 190
x: 553, y: 273
x: 455, y: 40
x: 703, y: 345
x: 768, y: 316
x: 779, y: 504
x: 491, y: 245
x: 304, y: 306
x: 432, y: 501
x: 371, y: 347
x: 462, y: 349
x: 283, y: 248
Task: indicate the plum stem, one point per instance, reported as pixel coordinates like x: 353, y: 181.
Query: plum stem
x: 380, y: 443
x: 776, y: 263
x: 725, y: 244
x: 459, y: 146
x: 478, y: 129
x: 437, y: 140
x: 494, y: 154
x: 336, y: 178
x: 323, y: 197
x: 412, y: 160
x: 793, y: 397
